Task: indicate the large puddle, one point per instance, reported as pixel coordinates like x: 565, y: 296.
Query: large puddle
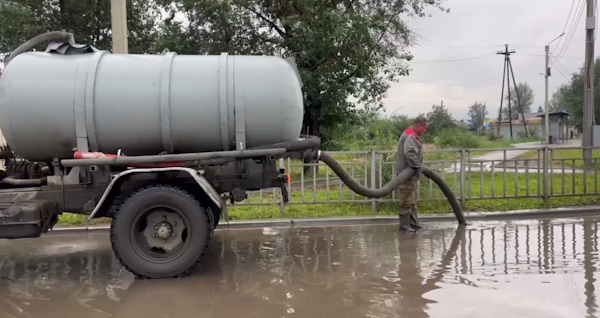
x: 539, y: 268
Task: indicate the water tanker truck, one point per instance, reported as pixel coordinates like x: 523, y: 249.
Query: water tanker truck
x: 158, y: 143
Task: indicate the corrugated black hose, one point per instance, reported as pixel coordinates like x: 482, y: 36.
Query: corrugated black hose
x: 393, y: 185
x: 312, y: 143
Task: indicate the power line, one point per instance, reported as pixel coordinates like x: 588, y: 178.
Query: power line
x: 454, y: 60
x: 566, y: 56
x: 461, y: 46
x: 572, y: 26
x: 560, y: 69
x: 441, y: 83
x: 560, y: 64
x: 572, y: 31
x: 488, y: 46
x: 566, y: 22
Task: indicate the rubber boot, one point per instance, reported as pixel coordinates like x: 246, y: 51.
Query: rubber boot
x: 405, y: 223
x: 414, y: 220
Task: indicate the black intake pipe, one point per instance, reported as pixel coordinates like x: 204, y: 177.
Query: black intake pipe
x: 393, y: 185
x: 58, y: 36
x: 313, y: 143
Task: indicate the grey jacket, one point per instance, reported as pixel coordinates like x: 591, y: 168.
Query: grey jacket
x: 409, y: 154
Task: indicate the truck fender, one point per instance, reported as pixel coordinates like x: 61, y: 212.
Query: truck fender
x: 195, y: 174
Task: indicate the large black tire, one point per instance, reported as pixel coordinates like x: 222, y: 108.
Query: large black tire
x: 134, y: 248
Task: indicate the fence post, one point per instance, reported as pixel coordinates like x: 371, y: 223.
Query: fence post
x: 545, y: 172
x: 462, y: 178
x: 373, y: 179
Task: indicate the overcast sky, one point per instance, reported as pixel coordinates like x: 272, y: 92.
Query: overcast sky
x: 456, y: 58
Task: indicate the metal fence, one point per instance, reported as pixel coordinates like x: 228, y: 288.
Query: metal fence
x: 472, y: 174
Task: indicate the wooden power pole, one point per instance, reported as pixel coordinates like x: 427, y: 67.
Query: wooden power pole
x: 588, y: 87
x: 118, y: 11
x: 508, y: 73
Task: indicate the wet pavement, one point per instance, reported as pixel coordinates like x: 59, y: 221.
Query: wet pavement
x: 534, y: 268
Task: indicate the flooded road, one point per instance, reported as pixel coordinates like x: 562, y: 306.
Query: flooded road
x: 537, y: 268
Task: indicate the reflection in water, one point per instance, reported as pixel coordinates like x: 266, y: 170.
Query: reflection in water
x: 545, y: 268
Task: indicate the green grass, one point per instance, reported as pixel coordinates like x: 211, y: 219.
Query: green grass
x: 72, y: 219
x: 431, y: 201
x: 568, y: 157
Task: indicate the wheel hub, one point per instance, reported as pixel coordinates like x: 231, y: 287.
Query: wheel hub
x: 164, y: 230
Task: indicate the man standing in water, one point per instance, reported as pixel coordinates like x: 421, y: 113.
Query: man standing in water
x: 410, y: 154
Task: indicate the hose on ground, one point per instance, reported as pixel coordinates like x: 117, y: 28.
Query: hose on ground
x: 58, y: 36
x: 387, y: 189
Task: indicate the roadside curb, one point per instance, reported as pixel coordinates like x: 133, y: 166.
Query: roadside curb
x: 572, y: 212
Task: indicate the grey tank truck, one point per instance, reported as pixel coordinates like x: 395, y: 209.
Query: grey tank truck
x: 158, y: 143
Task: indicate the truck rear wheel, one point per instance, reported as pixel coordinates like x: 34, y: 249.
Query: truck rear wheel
x: 160, y: 232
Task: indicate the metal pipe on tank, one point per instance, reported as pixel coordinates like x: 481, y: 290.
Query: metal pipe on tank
x: 173, y: 157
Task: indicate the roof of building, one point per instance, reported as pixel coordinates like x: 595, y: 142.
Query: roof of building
x: 560, y: 113
x: 529, y: 121
x: 531, y: 115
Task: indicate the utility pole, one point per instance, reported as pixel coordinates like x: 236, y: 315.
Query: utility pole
x: 588, y: 86
x: 508, y: 91
x: 547, y: 118
x: 546, y: 106
x: 118, y: 12
x: 546, y: 110
x: 507, y: 73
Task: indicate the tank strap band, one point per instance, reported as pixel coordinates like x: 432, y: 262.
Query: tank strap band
x: 165, y: 105
x: 239, y: 106
x: 223, y: 105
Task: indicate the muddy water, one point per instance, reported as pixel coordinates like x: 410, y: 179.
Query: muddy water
x: 541, y: 268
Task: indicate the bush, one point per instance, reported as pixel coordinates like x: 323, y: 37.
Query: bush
x: 491, y: 135
x: 533, y: 133
x: 457, y: 138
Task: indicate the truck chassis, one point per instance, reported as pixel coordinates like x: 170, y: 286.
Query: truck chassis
x: 164, y: 208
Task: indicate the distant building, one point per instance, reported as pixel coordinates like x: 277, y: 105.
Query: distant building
x: 532, y: 120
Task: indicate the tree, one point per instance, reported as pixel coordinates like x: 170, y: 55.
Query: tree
x: 477, y: 115
x: 540, y: 109
x: 342, y: 48
x: 439, y: 118
x: 569, y: 96
x: 520, y: 103
x: 90, y: 22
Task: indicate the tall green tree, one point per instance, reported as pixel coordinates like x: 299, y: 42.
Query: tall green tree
x: 558, y: 101
x: 520, y: 103
x: 570, y: 96
x: 439, y: 118
x: 343, y: 48
x: 477, y: 114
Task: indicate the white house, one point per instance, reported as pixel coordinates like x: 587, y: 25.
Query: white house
x: 532, y: 121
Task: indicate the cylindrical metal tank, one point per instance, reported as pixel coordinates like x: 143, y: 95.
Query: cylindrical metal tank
x: 51, y: 103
